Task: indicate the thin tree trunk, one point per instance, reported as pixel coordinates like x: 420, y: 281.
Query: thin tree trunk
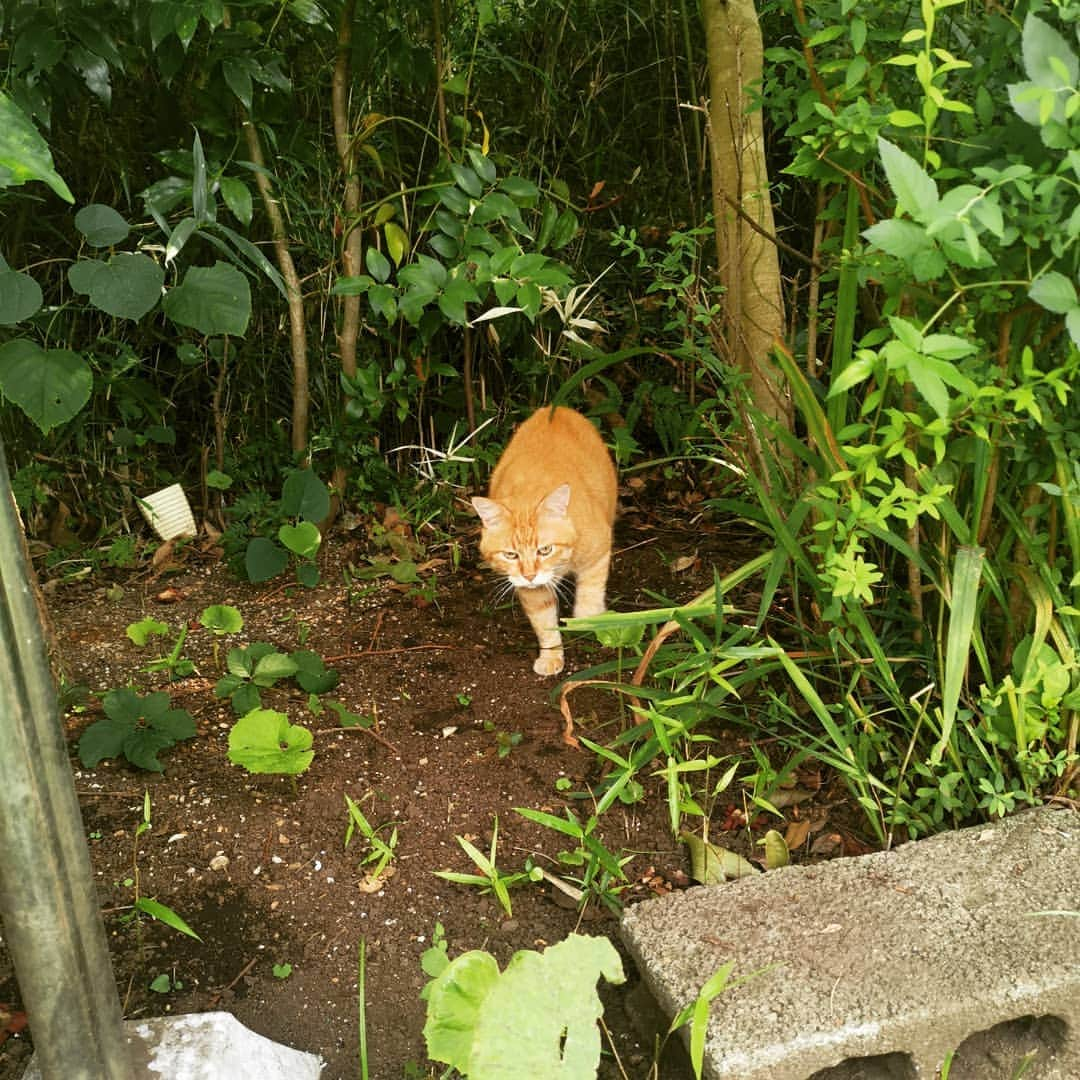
x: 747, y: 260
x: 351, y: 252
x: 297, y: 331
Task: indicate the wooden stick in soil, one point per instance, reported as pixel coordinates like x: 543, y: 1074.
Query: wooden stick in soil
x: 224, y: 990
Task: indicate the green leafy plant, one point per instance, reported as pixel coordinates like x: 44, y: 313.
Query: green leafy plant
x: 491, y: 878
x: 261, y: 666
x: 380, y: 852
x: 600, y: 874
x: 538, y: 1017
x: 263, y: 741
x: 282, y: 971
x: 220, y: 620
x: 305, y: 501
x: 136, y: 727
x: 505, y: 741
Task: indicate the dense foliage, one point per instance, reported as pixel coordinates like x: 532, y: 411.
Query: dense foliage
x: 268, y: 247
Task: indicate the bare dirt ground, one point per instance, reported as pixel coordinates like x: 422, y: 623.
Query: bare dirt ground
x: 259, y: 868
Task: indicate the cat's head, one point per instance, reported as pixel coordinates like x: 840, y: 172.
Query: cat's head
x: 531, y: 547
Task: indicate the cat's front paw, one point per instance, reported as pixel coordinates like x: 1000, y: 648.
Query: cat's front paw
x: 548, y: 663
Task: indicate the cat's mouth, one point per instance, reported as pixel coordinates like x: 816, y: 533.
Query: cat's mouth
x: 543, y: 579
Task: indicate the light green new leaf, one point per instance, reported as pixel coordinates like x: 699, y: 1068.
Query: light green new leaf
x: 49, y: 385
x: 211, y: 299
x: 537, y: 1019
x: 222, y: 619
x: 24, y: 154
x: 264, y: 741
x: 712, y: 865
x: 164, y: 914
x: 302, y: 540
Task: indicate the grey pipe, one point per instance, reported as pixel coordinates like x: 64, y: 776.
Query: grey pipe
x: 52, y: 922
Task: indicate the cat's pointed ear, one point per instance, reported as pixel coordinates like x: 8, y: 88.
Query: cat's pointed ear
x: 557, y: 503
x: 491, y: 513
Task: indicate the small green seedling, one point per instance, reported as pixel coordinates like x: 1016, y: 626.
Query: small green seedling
x: 349, y: 719
x: 139, y: 728
x: 463, y: 699
x: 505, y: 741
x: 166, y: 983
x: 434, y: 958
x: 490, y: 878
x: 282, y: 971
x: 221, y: 619
x: 260, y: 665
x: 602, y: 877
x: 178, y: 666
x: 263, y: 741
x: 144, y: 905
x: 382, y: 852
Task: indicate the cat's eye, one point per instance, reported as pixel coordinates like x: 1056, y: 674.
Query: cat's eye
x: 544, y: 551
x: 510, y: 554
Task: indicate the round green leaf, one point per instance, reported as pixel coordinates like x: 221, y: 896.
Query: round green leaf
x: 263, y: 741
x: 222, y: 619
x: 20, y: 297
x: 101, y: 225
x: 81, y: 274
x: 211, y: 299
x: 50, y: 386
x: 127, y: 286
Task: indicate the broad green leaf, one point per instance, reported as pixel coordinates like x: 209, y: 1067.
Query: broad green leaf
x: 245, y: 698
x: 101, y: 225
x: 454, y: 1003
x: 81, y: 274
x: 271, y: 667
x: 302, y: 540
x: 24, y: 154
x: 566, y: 227
x: 264, y: 559
x: 140, y: 632
x: 776, y: 850
x: 895, y: 236
x: 1042, y: 44
x: 164, y: 914
x: 467, y: 180
x: 49, y: 385
x: 126, y: 287
x: 397, y: 241
x: 312, y: 674
x: 454, y: 297
x: 523, y: 192
x: 915, y: 191
x: 307, y: 574
x: 484, y: 166
x: 142, y: 746
x: 222, y: 619
x: 545, y: 1012
x: 712, y: 865
x: 304, y: 495
x: 237, y: 196
x: 1054, y: 291
x: 238, y: 79
x: 211, y: 299
x: 102, y: 739
x: 929, y: 384
x: 263, y: 741
x: 20, y: 296
x: 378, y: 265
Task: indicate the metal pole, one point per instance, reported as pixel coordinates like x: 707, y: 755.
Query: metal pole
x: 48, y: 903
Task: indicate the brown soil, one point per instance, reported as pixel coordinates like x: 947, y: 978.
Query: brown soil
x: 260, y: 870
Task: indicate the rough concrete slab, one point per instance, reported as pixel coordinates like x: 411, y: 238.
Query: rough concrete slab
x: 899, y: 956
x: 208, y: 1046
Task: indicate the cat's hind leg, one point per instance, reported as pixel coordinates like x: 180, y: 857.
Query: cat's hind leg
x: 542, y: 607
x: 591, y: 583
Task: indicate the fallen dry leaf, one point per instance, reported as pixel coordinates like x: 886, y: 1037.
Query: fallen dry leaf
x: 170, y: 595
x: 683, y: 562
x: 796, y: 833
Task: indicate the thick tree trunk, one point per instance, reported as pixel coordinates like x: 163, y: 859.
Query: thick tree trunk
x: 747, y: 259
x: 297, y: 330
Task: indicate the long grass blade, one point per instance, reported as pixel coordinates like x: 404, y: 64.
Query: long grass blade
x: 967, y: 570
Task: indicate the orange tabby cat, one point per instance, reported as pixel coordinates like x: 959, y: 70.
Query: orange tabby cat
x: 548, y: 514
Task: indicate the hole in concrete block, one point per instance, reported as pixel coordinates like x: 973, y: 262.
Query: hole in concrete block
x: 895, y: 1066
x: 1005, y: 1047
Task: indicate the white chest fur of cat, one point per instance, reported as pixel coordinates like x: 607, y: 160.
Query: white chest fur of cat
x: 548, y: 515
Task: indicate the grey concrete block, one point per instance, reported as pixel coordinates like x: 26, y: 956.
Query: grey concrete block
x: 961, y: 942
x: 208, y: 1046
